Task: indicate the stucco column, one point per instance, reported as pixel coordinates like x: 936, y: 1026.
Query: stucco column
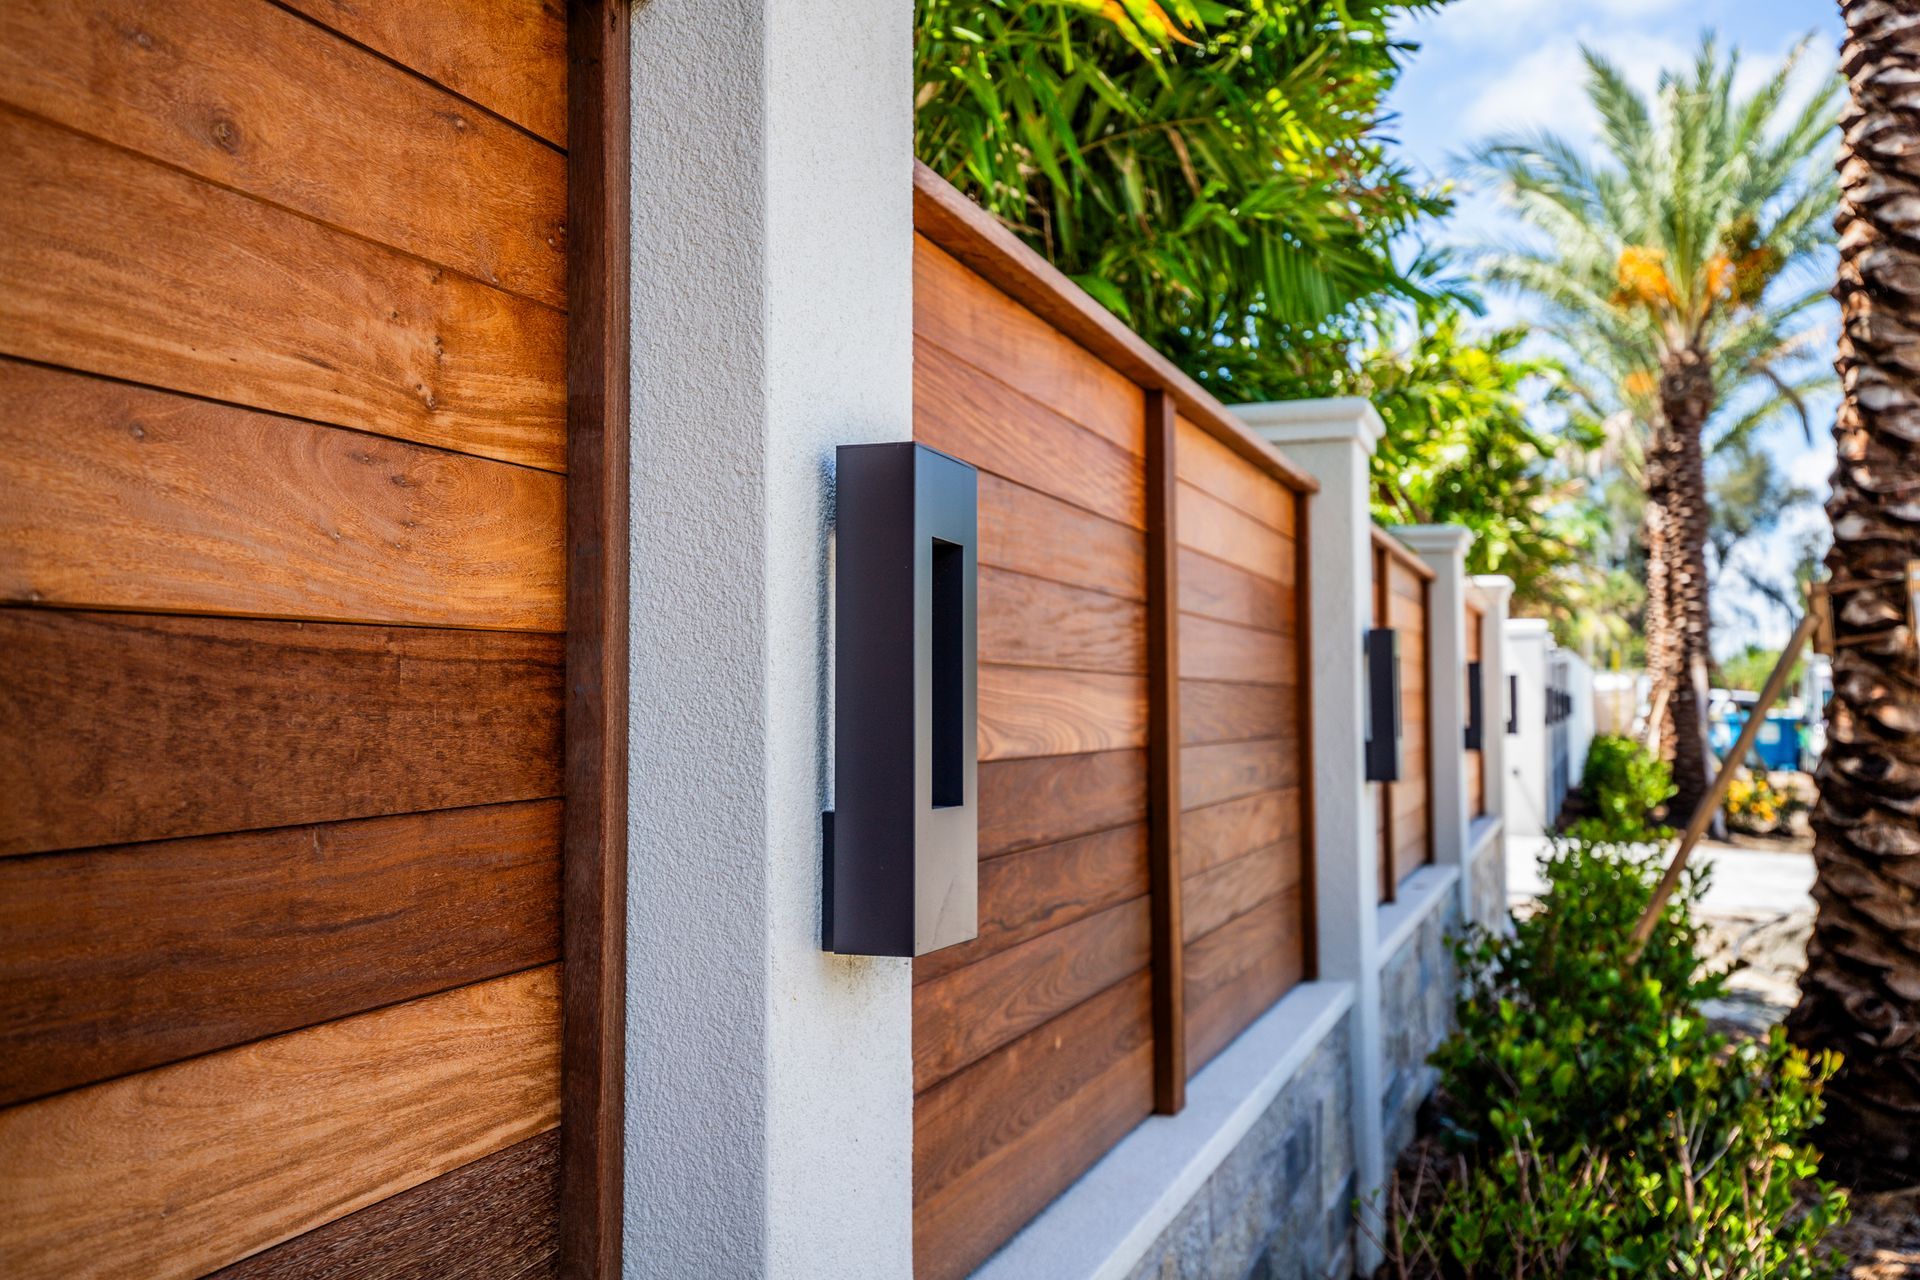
x: 1443, y: 547
x: 770, y: 1086
x: 1527, y: 642
x: 1491, y: 593
x: 1334, y: 440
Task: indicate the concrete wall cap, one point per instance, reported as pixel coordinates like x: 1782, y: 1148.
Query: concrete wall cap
x: 1497, y: 586
x: 1285, y: 422
x: 1434, y: 539
x: 1527, y: 627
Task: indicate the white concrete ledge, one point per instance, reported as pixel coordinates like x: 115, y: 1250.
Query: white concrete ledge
x: 1105, y: 1223
x: 1419, y: 896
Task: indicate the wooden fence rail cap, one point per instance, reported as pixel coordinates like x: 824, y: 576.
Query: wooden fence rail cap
x: 1399, y: 551
x: 962, y: 228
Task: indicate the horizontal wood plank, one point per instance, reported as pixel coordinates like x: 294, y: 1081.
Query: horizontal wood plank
x: 1030, y: 532
x: 994, y: 1144
x: 498, y: 1217
x: 1038, y: 801
x: 174, y: 1172
x: 1224, y: 771
x: 1237, y: 972
x: 122, y: 727
x: 119, y: 959
x: 1208, y: 464
x: 1033, y: 892
x: 1209, y: 525
x: 120, y: 497
x: 958, y: 311
x: 1033, y: 622
x: 1029, y: 712
x: 1217, y: 833
x: 1215, y: 589
x: 1226, y: 651
x: 1212, y: 712
x: 510, y: 56
x: 117, y: 265
x: 1220, y: 893
x: 968, y: 1014
x: 961, y: 410
x: 252, y: 97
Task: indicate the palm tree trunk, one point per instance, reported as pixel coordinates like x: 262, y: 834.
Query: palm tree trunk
x: 1679, y: 625
x: 1860, y: 993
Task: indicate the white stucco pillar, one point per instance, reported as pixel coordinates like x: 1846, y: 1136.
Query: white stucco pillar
x: 1333, y: 440
x: 1443, y: 547
x: 1491, y: 594
x: 1527, y: 641
x: 769, y: 1092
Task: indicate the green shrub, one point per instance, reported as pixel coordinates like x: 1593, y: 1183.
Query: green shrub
x: 1622, y: 788
x: 1604, y: 1128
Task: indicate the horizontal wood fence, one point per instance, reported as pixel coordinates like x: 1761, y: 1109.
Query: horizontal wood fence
x: 1404, y: 809
x: 284, y: 443
x: 1143, y: 743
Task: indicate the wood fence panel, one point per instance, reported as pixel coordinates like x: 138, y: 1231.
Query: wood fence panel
x: 284, y: 404
x: 1243, y: 739
x: 1403, y: 808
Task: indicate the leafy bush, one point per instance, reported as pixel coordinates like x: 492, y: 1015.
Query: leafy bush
x: 1621, y: 791
x: 1602, y: 1126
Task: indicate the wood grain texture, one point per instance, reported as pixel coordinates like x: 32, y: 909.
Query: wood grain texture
x: 598, y: 87
x: 1212, y: 588
x: 994, y: 1144
x: 1026, y: 894
x: 1225, y: 771
x: 966, y: 1015
x: 964, y: 315
x: 1032, y: 622
x: 1166, y: 656
x: 510, y: 56
x: 175, y: 1172
x: 1030, y: 802
x: 119, y: 266
x: 1225, y: 533
x: 1029, y: 532
x: 116, y: 960
x: 1230, y: 889
x: 1220, y: 832
x: 498, y: 1217
x: 120, y: 497
x: 957, y: 226
x: 963, y: 410
x: 121, y: 727
x: 1238, y: 971
x: 1213, y: 712
x: 1229, y: 652
x: 1028, y: 712
x: 1209, y: 465
x: 251, y: 97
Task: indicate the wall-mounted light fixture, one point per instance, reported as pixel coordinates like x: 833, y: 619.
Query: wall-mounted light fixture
x: 1383, y: 704
x: 902, y: 841
x: 1513, y: 706
x: 1476, y: 711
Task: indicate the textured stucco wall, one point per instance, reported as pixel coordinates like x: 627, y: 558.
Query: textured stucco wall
x: 1280, y: 1205
x: 1526, y: 751
x: 769, y: 1086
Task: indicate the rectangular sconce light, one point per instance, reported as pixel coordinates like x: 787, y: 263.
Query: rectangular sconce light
x: 1476, y: 725
x: 1383, y: 705
x: 1513, y: 706
x: 902, y: 841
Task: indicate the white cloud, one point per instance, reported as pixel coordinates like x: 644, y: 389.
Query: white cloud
x: 1547, y: 88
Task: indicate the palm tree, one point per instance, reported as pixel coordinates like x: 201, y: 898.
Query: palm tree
x: 1860, y: 993
x: 1667, y: 271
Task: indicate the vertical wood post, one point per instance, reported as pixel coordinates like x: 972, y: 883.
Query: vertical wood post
x: 1163, y: 759
x: 594, y: 860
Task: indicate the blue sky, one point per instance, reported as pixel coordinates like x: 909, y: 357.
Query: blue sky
x: 1491, y: 66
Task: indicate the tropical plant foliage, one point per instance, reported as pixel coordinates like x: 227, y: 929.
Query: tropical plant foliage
x: 1602, y: 1126
x: 1674, y: 274
x: 1217, y: 175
